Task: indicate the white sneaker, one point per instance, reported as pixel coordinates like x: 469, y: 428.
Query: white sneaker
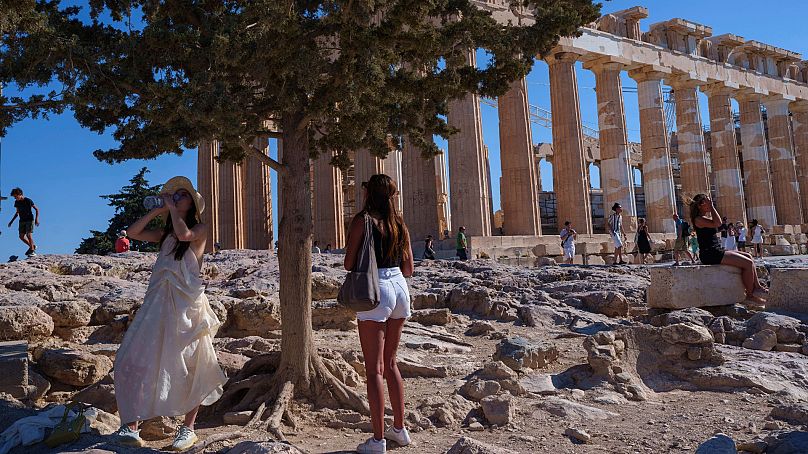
x: 128, y: 437
x: 401, y: 437
x: 372, y: 446
x: 185, y: 439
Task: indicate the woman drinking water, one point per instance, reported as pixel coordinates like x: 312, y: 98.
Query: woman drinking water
x: 166, y: 365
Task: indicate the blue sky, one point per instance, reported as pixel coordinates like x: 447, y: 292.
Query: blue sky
x: 52, y: 159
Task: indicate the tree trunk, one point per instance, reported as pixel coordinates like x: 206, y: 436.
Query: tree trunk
x: 294, y: 255
x: 268, y: 382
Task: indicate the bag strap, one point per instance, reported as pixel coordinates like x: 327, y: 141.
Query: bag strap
x: 367, y: 254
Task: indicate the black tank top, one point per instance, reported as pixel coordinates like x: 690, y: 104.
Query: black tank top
x: 708, y: 241
x: 382, y: 245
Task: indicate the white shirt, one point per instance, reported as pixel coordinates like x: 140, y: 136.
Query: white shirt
x: 569, y: 241
x: 616, y: 221
x: 742, y: 233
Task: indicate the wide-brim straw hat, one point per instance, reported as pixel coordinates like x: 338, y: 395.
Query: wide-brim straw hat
x: 179, y: 182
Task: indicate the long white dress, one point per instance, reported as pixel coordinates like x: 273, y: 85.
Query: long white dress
x: 166, y: 364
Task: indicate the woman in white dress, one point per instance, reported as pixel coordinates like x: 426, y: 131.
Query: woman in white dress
x: 166, y: 365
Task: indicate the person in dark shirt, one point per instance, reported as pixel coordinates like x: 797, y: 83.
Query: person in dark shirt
x: 24, y: 207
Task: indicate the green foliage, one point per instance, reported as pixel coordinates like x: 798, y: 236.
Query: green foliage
x: 129, y: 208
x: 165, y: 75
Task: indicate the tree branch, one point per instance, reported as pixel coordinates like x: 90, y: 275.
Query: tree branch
x: 251, y: 150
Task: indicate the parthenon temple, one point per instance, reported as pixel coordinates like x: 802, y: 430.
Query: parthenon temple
x: 754, y: 162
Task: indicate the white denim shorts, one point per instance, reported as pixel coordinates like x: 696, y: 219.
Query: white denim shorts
x: 395, y: 298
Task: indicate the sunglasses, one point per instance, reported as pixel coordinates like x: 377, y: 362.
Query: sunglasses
x: 180, y: 195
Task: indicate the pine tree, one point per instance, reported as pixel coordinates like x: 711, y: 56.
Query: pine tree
x: 326, y: 75
x: 129, y: 208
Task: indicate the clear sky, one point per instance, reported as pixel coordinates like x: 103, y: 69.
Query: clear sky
x: 52, y: 159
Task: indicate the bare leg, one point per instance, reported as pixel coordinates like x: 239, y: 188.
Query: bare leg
x: 133, y: 425
x: 749, y: 275
x: 31, y: 241
x: 190, y: 418
x: 395, y: 385
x: 371, y: 336
x: 24, y: 239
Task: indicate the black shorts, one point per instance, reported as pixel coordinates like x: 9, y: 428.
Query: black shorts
x: 711, y: 257
x: 26, y: 227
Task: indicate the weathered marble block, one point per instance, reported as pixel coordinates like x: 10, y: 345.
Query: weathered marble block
x: 789, y: 289
x: 695, y: 286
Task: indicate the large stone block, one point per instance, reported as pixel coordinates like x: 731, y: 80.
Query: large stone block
x: 776, y: 250
x: 13, y: 367
x: 695, y: 286
x: 543, y: 250
x: 787, y: 291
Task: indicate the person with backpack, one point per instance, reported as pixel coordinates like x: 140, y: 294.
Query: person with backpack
x: 682, y: 240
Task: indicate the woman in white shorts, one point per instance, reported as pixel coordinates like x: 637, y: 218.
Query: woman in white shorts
x: 380, y: 328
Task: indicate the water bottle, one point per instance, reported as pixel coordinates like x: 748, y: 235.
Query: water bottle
x: 151, y: 202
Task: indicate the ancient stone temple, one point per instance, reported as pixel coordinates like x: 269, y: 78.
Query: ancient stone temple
x: 753, y: 161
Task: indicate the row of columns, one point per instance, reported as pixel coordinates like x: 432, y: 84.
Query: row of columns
x: 765, y: 184
x: 237, y: 199
x: 767, y: 187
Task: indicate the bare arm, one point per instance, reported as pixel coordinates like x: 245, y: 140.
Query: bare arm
x: 408, y: 264
x: 36, y: 218
x: 356, y: 233
x: 16, y: 213
x: 138, y: 230
x: 715, y: 222
x: 181, y: 230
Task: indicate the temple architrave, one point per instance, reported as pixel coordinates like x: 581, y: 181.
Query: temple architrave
x: 754, y: 162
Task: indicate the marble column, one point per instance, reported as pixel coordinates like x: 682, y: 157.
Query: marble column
x: 365, y: 166
x: 519, y: 193
x: 420, y: 194
x: 257, y: 201
x: 757, y: 180
x: 616, y: 176
x: 724, y: 157
x: 570, y: 173
x: 442, y: 182
x: 328, y: 209
x: 468, y: 177
x: 799, y: 118
x: 392, y: 167
x: 690, y: 135
x: 519, y: 183
x: 231, y: 232
x: 660, y: 194
x: 785, y: 189
x: 207, y: 183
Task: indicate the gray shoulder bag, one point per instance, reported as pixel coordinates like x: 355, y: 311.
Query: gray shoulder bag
x: 360, y: 291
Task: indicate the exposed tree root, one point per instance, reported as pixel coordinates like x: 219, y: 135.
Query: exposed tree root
x: 199, y: 447
x: 267, y: 387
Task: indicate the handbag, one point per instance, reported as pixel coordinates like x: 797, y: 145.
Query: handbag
x: 68, y: 430
x: 360, y: 291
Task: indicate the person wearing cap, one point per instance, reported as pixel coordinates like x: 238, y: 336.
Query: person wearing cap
x: 122, y: 243
x: 166, y: 364
x: 618, y: 233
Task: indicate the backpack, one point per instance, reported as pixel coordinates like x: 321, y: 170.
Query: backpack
x: 685, y: 229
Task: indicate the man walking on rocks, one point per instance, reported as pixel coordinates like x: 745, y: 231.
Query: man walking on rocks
x: 24, y: 207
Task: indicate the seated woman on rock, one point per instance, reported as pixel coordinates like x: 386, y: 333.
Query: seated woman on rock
x: 706, y: 220
x: 166, y: 364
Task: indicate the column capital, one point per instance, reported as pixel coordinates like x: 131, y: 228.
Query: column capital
x: 720, y: 89
x: 607, y: 63
x: 562, y: 56
x: 778, y: 100
x: 649, y: 72
x: 750, y: 94
x: 799, y: 106
x: 681, y: 82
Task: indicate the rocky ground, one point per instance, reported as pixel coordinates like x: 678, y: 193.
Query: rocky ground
x: 551, y: 359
